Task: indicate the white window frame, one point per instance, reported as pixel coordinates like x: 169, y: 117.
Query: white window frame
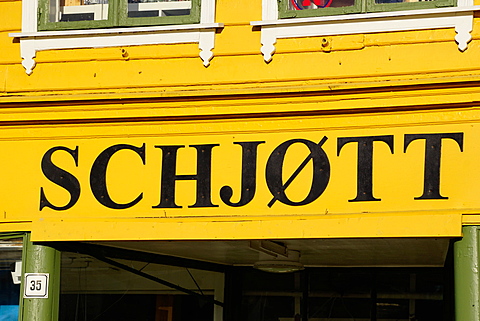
x: 32, y: 40
x: 459, y: 17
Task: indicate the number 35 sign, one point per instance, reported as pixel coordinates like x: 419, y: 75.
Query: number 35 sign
x: 36, y: 285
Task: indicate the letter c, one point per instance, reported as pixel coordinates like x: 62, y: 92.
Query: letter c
x: 98, y: 182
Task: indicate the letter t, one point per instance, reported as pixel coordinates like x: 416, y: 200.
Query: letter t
x: 433, y: 152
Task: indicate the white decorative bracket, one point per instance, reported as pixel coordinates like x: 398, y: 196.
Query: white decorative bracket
x: 460, y: 18
x: 463, y: 28
x: 32, y: 41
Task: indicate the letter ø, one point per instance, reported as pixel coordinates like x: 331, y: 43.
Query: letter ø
x: 320, y: 172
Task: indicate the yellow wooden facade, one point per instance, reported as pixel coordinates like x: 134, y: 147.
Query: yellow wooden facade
x: 392, y: 83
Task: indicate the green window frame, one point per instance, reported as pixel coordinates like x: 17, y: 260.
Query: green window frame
x: 360, y: 6
x: 11, y: 235
x: 117, y: 17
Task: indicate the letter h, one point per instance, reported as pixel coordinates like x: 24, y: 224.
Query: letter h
x: 169, y: 176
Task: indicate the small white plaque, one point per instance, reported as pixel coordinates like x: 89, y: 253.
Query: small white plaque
x: 36, y: 285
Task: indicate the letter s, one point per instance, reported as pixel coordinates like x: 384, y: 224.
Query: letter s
x: 60, y: 177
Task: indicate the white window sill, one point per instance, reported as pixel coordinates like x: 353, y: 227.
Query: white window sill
x: 116, y: 31
x: 460, y: 18
x: 31, y: 42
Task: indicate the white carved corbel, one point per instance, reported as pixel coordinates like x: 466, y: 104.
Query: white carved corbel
x: 28, y: 53
x: 268, y: 44
x: 206, y: 44
x: 464, y: 28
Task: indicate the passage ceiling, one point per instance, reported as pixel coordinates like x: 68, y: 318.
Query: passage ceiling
x: 374, y: 252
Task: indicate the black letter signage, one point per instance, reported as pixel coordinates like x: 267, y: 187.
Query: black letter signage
x: 320, y: 175
x: 277, y: 178
x: 169, y: 176
x: 433, y: 152
x: 249, y: 176
x: 61, y: 178
x: 98, y: 173
x: 365, y: 163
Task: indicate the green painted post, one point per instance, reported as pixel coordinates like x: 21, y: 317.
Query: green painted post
x: 466, y: 251
x: 40, y: 259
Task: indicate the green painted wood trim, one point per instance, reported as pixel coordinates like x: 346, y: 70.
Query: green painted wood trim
x: 361, y: 6
x: 193, y: 17
x: 466, y: 274
x: 380, y: 7
x: 40, y: 259
x: 117, y: 17
x: 13, y: 235
x: 26, y: 238
x: 284, y: 12
x: 45, y: 24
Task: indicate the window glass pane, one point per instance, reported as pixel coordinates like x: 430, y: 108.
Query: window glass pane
x: 10, y: 272
x: 78, y: 10
x: 318, y: 4
x: 344, y: 294
x: 158, y: 8
x: 340, y: 294
x: 267, y: 308
x: 393, y: 309
x: 94, y: 290
x: 396, y: 1
x: 270, y: 296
